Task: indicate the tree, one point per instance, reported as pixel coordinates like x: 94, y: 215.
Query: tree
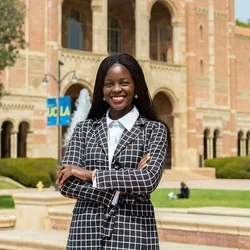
x: 12, y: 13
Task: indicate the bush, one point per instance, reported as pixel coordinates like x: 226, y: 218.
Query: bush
x: 230, y: 167
x: 29, y: 171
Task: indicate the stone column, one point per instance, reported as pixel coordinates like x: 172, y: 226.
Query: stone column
x: 176, y: 44
x: 142, y: 30
x: 210, y: 148
x: 99, y: 26
x: 176, y: 143
x: 243, y: 146
x: 13, y: 144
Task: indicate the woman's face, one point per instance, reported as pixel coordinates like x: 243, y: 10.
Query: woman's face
x: 119, y: 91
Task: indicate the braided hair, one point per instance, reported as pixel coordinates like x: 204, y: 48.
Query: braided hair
x: 143, y: 103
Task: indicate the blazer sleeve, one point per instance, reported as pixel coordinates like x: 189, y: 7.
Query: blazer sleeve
x: 135, y: 180
x: 74, y: 187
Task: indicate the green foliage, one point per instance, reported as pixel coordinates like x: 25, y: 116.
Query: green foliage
x: 29, y: 171
x: 202, y: 198
x: 242, y: 24
x: 12, y: 13
x: 6, y: 202
x: 230, y: 167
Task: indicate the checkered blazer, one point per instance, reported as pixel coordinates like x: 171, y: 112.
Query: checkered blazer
x: 96, y: 223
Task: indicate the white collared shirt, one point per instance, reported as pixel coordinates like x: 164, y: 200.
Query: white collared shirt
x: 115, y: 130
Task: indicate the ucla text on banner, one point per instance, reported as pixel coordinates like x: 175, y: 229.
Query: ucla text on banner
x: 65, y: 114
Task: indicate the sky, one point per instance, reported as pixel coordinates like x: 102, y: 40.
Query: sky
x: 242, y: 10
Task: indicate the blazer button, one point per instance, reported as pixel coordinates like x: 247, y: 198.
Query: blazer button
x: 117, y: 166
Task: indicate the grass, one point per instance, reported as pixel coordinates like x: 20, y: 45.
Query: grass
x: 7, y: 185
x: 202, y: 198
x: 6, y: 202
x: 198, y: 198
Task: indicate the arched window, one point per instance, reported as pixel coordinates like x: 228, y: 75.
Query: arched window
x: 161, y: 33
x: 75, y: 33
x: 206, y: 144
x: 114, y: 36
x: 239, y: 143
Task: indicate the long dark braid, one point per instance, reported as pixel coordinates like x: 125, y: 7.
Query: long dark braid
x: 143, y: 103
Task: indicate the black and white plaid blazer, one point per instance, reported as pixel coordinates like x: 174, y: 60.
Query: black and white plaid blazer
x: 96, y: 223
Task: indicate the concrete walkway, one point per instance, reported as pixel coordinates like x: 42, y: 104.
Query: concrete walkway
x: 226, y: 184
x: 178, y: 246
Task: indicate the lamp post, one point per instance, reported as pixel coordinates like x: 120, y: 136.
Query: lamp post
x: 59, y: 81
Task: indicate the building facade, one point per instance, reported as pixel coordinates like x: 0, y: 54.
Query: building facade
x: 196, y: 63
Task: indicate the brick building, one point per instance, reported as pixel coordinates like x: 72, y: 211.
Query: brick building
x: 196, y: 63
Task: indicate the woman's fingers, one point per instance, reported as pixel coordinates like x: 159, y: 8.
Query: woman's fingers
x: 143, y: 162
x: 61, y: 172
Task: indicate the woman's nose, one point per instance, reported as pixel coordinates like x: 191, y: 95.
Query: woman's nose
x: 117, y: 88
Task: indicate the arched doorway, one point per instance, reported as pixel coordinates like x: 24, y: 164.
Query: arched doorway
x: 161, y: 33
x: 6, y: 139
x: 22, y: 139
x: 164, y: 110
x: 247, y: 143
x: 240, y: 144
x: 206, y: 145
x: 215, y: 143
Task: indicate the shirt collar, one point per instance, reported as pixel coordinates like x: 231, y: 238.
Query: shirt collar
x: 127, y: 120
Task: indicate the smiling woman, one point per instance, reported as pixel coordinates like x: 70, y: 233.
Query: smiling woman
x: 114, y: 161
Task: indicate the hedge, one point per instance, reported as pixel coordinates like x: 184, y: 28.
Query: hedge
x: 230, y: 167
x: 28, y: 171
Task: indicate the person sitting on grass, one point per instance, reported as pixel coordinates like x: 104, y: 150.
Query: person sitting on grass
x: 184, y: 194
x: 184, y: 191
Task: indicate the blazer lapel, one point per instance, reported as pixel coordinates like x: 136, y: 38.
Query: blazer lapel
x: 101, y: 134
x: 129, y: 136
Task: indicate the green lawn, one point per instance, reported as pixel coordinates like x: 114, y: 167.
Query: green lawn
x: 6, y: 202
x: 198, y: 198
x: 202, y: 198
x: 7, y: 185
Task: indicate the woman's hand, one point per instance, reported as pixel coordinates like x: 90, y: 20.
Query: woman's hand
x: 65, y: 171
x: 143, y: 162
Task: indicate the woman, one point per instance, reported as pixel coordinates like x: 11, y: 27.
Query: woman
x: 114, y: 161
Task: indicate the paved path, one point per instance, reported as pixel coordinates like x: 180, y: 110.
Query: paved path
x: 178, y: 246
x: 227, y: 184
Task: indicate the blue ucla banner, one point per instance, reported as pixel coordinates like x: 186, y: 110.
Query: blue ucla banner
x: 65, y: 111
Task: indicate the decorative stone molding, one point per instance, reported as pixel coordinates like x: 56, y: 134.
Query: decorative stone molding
x: 12, y: 106
x: 201, y: 11
x: 221, y: 15
x: 163, y: 67
x: 82, y: 56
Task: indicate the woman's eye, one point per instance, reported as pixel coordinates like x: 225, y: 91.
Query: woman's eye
x: 125, y: 83
x: 107, y: 84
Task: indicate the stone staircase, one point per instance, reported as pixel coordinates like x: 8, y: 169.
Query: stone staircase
x: 193, y: 228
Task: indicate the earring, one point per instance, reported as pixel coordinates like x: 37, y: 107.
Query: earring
x: 136, y: 96
x: 104, y: 99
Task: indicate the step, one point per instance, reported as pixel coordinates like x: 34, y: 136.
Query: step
x: 33, y: 240
x: 56, y: 240
x: 7, y: 219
